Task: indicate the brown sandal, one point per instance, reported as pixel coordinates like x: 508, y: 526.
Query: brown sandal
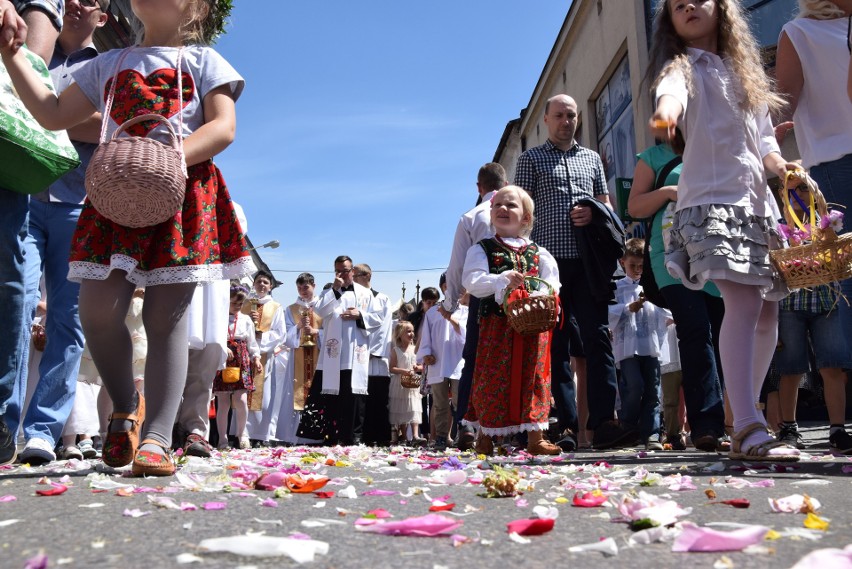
x: 537, y: 444
x: 147, y: 463
x: 120, y: 446
x: 484, y: 445
x: 760, y: 452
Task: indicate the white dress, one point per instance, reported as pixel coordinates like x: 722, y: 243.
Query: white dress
x: 404, y: 406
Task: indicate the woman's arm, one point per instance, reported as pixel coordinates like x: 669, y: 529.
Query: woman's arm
x: 790, y: 79
x: 643, y: 201
x: 218, y: 130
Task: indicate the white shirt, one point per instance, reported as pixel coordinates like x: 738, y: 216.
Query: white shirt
x: 438, y: 337
x: 473, y: 227
x: 725, y: 145
x: 380, y: 338
x: 635, y: 333
x: 352, y: 336
x: 477, y: 279
x: 244, y: 330
x: 277, y: 329
x: 823, y: 116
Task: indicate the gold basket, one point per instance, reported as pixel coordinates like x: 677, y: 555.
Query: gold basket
x: 532, y: 314
x: 411, y: 380
x: 827, y: 257
x: 231, y: 375
x: 135, y: 181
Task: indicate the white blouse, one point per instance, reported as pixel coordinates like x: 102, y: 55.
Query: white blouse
x: 823, y: 116
x: 725, y: 145
x: 479, y: 282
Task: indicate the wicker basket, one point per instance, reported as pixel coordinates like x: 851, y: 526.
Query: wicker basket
x: 827, y: 257
x: 411, y: 380
x: 231, y: 374
x: 136, y: 181
x: 532, y: 314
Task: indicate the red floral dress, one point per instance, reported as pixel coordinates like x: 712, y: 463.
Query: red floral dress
x: 499, y: 405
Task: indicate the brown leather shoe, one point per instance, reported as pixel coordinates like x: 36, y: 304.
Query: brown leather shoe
x: 120, y: 446
x: 147, y: 463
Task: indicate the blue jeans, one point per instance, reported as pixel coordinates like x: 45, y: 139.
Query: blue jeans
x: 14, y: 208
x: 835, y: 181
x: 51, y: 228
x: 697, y: 317
x: 825, y: 332
x: 639, y: 387
x: 592, y: 318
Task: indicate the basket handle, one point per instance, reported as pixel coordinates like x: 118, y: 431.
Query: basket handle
x: 817, y: 200
x: 149, y: 117
x: 527, y: 278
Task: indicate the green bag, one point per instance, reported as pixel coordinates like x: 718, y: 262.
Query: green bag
x: 31, y: 157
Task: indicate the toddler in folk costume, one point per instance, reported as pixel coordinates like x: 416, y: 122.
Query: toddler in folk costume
x: 201, y: 242
x: 503, y: 402
x: 243, y: 354
x: 711, y: 83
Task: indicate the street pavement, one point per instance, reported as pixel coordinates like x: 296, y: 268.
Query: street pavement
x: 107, y: 519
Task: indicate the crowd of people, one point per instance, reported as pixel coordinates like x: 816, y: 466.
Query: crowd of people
x: 154, y: 343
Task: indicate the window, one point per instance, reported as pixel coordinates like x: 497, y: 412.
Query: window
x: 616, y: 131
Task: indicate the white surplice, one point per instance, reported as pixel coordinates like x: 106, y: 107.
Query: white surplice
x: 262, y: 425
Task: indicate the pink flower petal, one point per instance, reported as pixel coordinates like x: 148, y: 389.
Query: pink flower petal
x: 269, y: 503
x: 54, y: 490
x: 429, y: 525
x: 213, y: 506
x: 378, y: 493
x: 694, y: 538
x: 536, y: 526
x: 7, y: 498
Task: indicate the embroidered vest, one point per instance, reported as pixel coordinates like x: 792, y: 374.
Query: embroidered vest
x: 502, y: 258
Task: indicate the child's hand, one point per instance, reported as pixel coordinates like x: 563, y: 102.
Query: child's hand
x: 516, y: 279
x: 429, y: 360
x: 636, y: 306
x: 13, y: 29
x: 257, y: 364
x: 664, y: 120
x: 230, y: 354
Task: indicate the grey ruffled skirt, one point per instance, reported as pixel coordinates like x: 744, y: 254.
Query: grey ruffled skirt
x: 724, y: 242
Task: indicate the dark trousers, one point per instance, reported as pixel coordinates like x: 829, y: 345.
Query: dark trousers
x: 346, y: 410
x: 592, y: 318
x: 697, y: 317
x: 471, y: 339
x: 376, y: 425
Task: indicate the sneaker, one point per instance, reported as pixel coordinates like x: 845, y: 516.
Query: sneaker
x: 653, y: 443
x: 613, y: 434
x: 790, y: 436
x: 87, y: 447
x: 70, y: 452
x: 568, y: 441
x: 8, y: 447
x: 196, y: 445
x: 37, y: 452
x: 841, y: 442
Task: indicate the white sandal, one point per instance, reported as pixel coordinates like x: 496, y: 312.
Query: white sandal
x: 760, y: 452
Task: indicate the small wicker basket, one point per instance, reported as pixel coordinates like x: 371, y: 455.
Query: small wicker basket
x: 411, y: 380
x: 532, y: 314
x: 827, y: 257
x: 136, y: 181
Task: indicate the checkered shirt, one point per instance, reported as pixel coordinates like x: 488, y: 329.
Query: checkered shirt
x: 557, y: 179
x: 817, y: 300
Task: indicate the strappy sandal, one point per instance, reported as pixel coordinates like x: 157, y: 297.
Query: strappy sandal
x: 120, y: 446
x: 147, y: 463
x: 760, y: 452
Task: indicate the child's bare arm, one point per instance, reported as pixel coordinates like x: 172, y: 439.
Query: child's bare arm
x: 218, y: 130
x: 52, y: 112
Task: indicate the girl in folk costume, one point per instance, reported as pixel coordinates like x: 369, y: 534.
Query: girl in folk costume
x: 712, y: 85
x: 268, y: 318
x: 404, y: 402
x: 303, y: 339
x: 201, y: 242
x: 504, y: 400
x: 231, y: 387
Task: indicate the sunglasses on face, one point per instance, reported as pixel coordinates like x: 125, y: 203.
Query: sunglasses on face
x: 89, y: 3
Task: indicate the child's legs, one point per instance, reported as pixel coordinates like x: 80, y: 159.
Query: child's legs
x: 630, y: 388
x: 164, y: 316
x: 747, y: 341
x: 649, y: 414
x: 791, y: 359
x: 196, y: 394
x: 672, y: 402
x: 834, y: 383
x: 239, y: 403
x: 103, y: 309
x: 441, y: 408
x: 223, y: 407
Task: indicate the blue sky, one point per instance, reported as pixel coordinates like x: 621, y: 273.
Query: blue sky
x: 363, y: 124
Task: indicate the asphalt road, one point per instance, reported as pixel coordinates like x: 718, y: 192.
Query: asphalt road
x: 108, y: 520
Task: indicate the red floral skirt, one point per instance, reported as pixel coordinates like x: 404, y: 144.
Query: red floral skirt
x: 201, y: 243
x: 495, y: 405
x: 242, y: 360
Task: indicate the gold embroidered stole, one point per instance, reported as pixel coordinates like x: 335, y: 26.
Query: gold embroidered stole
x: 305, y: 361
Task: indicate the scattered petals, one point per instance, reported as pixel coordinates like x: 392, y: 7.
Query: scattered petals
x: 55, y: 489
x: 593, y: 499
x: 795, y: 503
x: 823, y: 558
x: 813, y: 521
x: 299, y: 485
x: 135, y: 513
x: 213, y: 506
x: 546, y: 512
x: 606, y: 546
x: 8, y: 498
x: 695, y: 538
x: 186, y: 558
x: 428, y: 525
x: 38, y: 561
x: 535, y: 526
x: 300, y: 550
x: 439, y: 506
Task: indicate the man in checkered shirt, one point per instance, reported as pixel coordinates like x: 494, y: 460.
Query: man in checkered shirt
x: 558, y: 174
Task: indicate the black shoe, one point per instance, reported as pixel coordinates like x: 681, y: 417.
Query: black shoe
x: 841, y: 442
x: 707, y: 442
x: 678, y: 442
x: 613, y: 434
x: 440, y: 444
x: 568, y: 442
x: 195, y: 445
x: 789, y: 435
x: 8, y: 446
x: 465, y: 439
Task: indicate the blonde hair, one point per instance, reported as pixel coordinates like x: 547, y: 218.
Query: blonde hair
x: 819, y: 9
x: 735, y: 41
x: 194, y: 29
x: 401, y: 327
x: 526, y: 202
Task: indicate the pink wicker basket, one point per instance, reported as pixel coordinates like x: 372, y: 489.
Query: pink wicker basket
x: 136, y: 181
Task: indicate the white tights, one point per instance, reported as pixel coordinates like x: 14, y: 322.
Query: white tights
x: 238, y: 400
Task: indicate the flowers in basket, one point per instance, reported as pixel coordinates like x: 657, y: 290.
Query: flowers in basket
x: 797, y: 236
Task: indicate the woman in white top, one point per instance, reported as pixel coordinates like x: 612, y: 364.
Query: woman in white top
x: 812, y: 68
